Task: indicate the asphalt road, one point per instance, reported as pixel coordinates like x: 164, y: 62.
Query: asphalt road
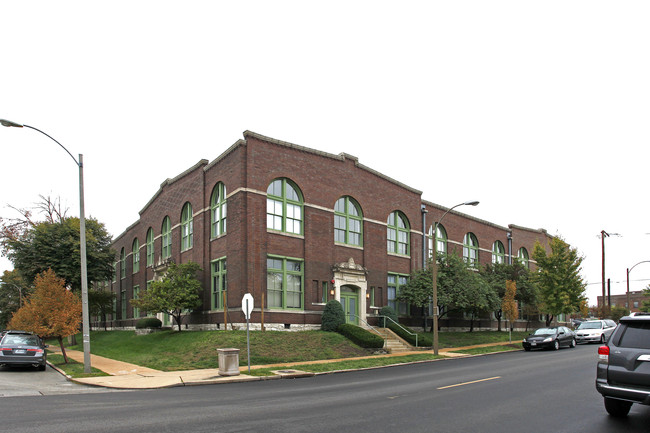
x: 510, y: 392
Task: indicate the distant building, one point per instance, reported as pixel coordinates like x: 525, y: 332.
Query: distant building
x: 636, y: 301
x: 296, y: 227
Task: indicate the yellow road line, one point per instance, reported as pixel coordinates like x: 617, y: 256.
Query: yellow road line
x: 468, y: 383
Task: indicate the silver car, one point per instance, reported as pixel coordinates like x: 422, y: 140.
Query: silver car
x: 595, y: 331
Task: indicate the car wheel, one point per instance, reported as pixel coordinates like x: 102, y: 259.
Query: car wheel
x: 573, y: 343
x: 556, y: 345
x: 602, y: 338
x: 527, y: 349
x: 42, y: 367
x: 617, y: 408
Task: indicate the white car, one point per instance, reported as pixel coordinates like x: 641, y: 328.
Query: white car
x: 595, y: 331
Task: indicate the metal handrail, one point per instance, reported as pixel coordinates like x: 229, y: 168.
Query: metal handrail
x: 403, y: 328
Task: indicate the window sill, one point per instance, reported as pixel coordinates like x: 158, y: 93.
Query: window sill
x: 341, y: 244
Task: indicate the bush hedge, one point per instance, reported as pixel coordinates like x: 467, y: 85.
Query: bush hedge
x: 388, y: 312
x: 333, y: 316
x: 148, y: 322
x: 360, y: 336
x: 424, y: 339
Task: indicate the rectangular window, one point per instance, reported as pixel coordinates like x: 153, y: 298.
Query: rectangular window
x: 274, y: 214
x: 219, y: 283
x: 136, y: 261
x: 284, y: 283
x: 123, y: 303
x: 395, y: 281
x: 372, y: 296
x: 136, y: 295
x: 187, y: 235
x: 324, y: 286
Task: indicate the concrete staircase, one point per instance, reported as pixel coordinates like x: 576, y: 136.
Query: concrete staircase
x: 393, y: 343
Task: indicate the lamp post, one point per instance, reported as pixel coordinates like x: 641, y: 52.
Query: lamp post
x: 82, y: 246
x: 434, y: 272
x: 603, y: 235
x: 629, y: 306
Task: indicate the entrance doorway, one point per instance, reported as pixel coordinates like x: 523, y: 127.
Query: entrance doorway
x: 350, y: 303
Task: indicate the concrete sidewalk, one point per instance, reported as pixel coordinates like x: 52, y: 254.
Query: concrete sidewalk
x: 130, y: 376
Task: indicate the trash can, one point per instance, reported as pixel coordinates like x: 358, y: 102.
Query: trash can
x: 228, y: 362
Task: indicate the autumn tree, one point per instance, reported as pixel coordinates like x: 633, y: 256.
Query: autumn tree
x: 561, y: 287
x: 496, y: 274
x: 177, y: 293
x: 35, y: 246
x: 509, y: 304
x: 51, y: 311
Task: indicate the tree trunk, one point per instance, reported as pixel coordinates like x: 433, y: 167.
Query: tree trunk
x: 65, y: 356
x: 498, y: 315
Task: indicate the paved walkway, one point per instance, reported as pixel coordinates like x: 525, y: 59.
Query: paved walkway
x: 130, y: 376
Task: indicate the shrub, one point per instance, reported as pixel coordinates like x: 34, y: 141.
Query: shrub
x: 333, y: 316
x: 148, y: 322
x: 388, y: 312
x: 424, y: 339
x: 360, y: 336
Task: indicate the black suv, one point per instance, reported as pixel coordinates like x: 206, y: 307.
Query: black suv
x: 623, y: 371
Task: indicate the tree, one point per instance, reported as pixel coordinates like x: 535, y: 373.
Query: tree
x: 509, y: 304
x: 461, y: 288
x: 51, y: 311
x: 645, y: 306
x: 418, y: 291
x: 617, y: 311
x: 100, y: 303
x: 34, y: 247
x: 497, y: 274
x: 561, y: 287
x: 13, y: 290
x: 178, y: 292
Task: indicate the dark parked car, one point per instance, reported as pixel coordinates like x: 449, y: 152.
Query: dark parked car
x: 23, y: 349
x: 550, y: 338
x: 623, y: 369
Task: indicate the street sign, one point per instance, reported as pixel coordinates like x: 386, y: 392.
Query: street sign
x: 247, y: 305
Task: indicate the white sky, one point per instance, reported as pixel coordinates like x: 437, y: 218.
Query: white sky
x: 537, y: 109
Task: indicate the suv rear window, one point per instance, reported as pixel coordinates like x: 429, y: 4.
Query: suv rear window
x: 635, y: 334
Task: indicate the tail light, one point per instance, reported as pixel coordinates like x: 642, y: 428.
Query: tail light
x: 603, y: 354
x: 35, y: 350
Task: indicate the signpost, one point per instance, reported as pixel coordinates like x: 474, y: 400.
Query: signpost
x: 247, y: 308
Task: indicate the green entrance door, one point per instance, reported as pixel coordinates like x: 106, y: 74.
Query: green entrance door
x: 350, y: 303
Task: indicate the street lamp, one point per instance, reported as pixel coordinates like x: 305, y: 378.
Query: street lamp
x: 603, y: 235
x: 82, y: 242
x: 629, y: 306
x: 434, y: 271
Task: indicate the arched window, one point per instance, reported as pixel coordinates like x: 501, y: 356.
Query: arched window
x: 122, y: 263
x: 398, y: 233
x: 187, y: 227
x: 166, y: 236
x: 441, y: 240
x: 522, y: 256
x: 218, y: 210
x: 150, y: 250
x: 136, y: 255
x: 498, y: 252
x: 348, y: 222
x: 470, y: 250
x: 284, y: 207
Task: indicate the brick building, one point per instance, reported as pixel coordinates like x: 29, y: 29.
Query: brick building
x: 636, y: 299
x: 261, y: 219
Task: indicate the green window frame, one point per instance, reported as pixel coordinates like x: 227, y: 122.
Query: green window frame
x: 122, y: 263
x: 166, y: 236
x: 136, y: 295
x: 395, y: 281
x: 441, y: 240
x: 470, y: 250
x: 324, y: 290
x: 498, y: 253
x: 523, y: 258
x: 284, y: 283
x: 348, y: 222
x: 218, y: 210
x: 219, y: 282
x: 284, y: 207
x: 136, y: 255
x: 398, y: 234
x: 187, y: 227
x: 114, y: 279
x: 150, y: 249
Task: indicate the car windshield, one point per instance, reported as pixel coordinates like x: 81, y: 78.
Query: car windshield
x: 545, y: 331
x: 590, y: 325
x: 24, y: 340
